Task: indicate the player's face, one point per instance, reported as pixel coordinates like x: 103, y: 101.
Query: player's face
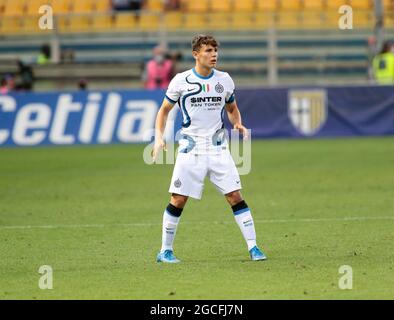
x: 207, y: 56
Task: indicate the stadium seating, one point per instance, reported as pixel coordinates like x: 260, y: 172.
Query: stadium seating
x: 102, y: 6
x: 29, y: 25
x: 9, y: 25
x: 154, y: 5
x: 264, y: 21
x: 223, y: 5
x: 85, y: 6
x: 173, y: 20
x: 335, y: 4
x: 149, y: 22
x: 361, y: 4
x: 243, y: 20
x: 288, y: 20
x: 195, y: 15
x: 313, y: 5
x: 61, y: 6
x: 267, y: 5
x: 101, y: 23
x: 245, y: 5
x: 301, y: 55
x: 219, y: 21
x: 194, y: 21
x: 125, y: 22
x: 32, y: 6
x: 312, y: 19
x: 285, y: 14
x: 14, y: 8
x: 388, y: 5
x: 293, y: 5
x: 389, y: 20
x: 364, y: 19
x: 197, y: 6
x: 389, y: 12
x: 233, y: 21
x: 331, y: 19
x: 78, y: 23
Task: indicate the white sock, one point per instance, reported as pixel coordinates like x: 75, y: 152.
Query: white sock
x: 170, y: 224
x: 245, y: 223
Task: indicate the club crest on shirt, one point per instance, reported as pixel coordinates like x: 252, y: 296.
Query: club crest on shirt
x: 219, y: 88
x: 177, y: 183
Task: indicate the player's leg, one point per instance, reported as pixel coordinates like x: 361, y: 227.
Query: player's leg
x: 171, y: 218
x: 187, y: 181
x: 224, y: 175
x: 244, y: 219
x: 178, y: 200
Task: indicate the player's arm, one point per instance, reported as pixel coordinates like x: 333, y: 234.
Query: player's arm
x: 235, y: 118
x: 160, y: 125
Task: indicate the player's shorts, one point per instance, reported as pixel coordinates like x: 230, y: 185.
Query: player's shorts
x: 191, y: 169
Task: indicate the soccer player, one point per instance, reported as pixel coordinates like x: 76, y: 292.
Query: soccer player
x: 203, y: 93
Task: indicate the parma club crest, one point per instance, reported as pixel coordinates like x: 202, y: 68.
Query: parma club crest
x: 307, y: 110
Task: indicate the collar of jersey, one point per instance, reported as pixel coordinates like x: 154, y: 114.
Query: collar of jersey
x: 201, y: 77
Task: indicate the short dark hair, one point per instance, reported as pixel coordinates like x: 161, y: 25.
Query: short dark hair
x: 203, y: 39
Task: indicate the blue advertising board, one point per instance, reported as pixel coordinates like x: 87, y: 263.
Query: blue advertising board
x: 104, y: 117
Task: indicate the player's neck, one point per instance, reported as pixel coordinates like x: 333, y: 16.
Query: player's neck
x: 203, y: 71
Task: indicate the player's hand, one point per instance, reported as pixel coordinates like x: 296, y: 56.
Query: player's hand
x: 159, y: 144
x: 244, y: 132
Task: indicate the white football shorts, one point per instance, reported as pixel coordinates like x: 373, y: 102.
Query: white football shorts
x: 191, y: 169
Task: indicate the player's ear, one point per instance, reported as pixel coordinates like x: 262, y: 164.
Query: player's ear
x: 195, y: 54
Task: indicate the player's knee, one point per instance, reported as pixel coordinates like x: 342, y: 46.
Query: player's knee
x: 234, y: 197
x: 178, y: 201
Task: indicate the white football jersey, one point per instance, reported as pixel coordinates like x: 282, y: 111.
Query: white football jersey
x: 201, y: 101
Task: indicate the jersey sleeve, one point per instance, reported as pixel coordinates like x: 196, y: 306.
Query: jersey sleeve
x: 230, y: 97
x: 173, y: 92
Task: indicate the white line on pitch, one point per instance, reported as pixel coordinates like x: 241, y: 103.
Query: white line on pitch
x: 73, y: 226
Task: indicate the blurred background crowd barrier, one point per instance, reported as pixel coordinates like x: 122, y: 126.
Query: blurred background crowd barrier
x: 99, y: 44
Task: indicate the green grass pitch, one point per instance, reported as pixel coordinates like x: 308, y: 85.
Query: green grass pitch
x: 94, y: 215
